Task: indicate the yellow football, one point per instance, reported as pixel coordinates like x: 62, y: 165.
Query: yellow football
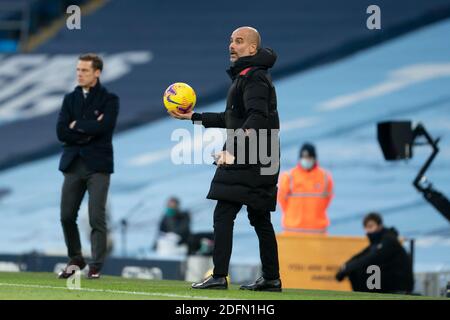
x: 179, y: 97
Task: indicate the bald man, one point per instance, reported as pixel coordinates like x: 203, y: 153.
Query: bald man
x: 252, y: 107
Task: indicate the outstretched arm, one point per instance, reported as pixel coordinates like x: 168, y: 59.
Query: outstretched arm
x: 207, y: 119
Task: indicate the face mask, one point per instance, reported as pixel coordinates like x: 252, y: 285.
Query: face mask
x: 170, y: 212
x: 375, y: 237
x: 306, y: 164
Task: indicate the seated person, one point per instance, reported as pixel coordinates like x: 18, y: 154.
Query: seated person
x: 177, y: 222
x: 384, y: 251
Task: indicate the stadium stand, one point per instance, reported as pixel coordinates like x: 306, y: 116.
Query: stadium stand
x: 164, y: 42
x: 21, y: 19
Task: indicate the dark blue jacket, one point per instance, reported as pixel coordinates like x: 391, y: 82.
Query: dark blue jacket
x: 90, y: 139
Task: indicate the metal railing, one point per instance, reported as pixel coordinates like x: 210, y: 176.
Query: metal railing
x: 22, y: 24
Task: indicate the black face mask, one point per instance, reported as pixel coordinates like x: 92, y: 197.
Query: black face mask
x: 375, y: 237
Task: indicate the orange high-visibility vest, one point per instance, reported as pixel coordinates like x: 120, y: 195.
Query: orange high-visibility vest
x: 304, y: 197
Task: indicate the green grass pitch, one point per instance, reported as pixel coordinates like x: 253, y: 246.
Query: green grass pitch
x: 37, y: 286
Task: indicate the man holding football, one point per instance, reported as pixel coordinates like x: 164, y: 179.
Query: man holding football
x: 251, y: 108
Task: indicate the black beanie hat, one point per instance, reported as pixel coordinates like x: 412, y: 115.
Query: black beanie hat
x: 308, y: 147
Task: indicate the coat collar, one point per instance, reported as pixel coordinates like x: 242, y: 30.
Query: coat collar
x: 92, y: 91
x: 264, y: 58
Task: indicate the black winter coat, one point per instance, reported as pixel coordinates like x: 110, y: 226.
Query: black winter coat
x: 180, y: 224
x: 251, y: 104
x: 388, y: 253
x: 90, y: 139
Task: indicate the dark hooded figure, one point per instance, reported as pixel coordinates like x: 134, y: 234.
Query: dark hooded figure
x: 384, y: 251
x: 248, y: 107
x: 248, y: 167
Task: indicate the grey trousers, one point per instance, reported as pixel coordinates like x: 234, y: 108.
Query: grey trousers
x: 77, y: 180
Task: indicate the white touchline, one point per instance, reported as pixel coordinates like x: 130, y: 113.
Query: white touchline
x: 153, y: 294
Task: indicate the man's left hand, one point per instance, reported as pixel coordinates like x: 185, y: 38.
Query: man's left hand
x: 341, y: 274
x: 224, y: 157
x: 72, y: 124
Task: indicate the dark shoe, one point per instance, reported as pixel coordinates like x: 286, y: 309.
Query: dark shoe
x: 65, y: 273
x: 94, y: 273
x: 263, y: 285
x: 211, y: 283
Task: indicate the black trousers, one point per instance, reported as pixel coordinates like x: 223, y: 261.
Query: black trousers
x: 77, y: 180
x: 390, y: 283
x: 224, y: 216
x: 358, y: 279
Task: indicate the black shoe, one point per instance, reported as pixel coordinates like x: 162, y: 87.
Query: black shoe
x: 94, y: 273
x: 65, y: 273
x: 211, y: 283
x: 263, y: 285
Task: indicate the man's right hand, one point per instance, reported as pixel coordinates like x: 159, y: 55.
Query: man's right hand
x: 181, y: 116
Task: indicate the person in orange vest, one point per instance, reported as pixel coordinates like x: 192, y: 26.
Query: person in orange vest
x: 304, y: 194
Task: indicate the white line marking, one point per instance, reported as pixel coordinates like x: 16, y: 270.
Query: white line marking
x: 152, y: 294
x: 396, y: 80
x: 303, y: 122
